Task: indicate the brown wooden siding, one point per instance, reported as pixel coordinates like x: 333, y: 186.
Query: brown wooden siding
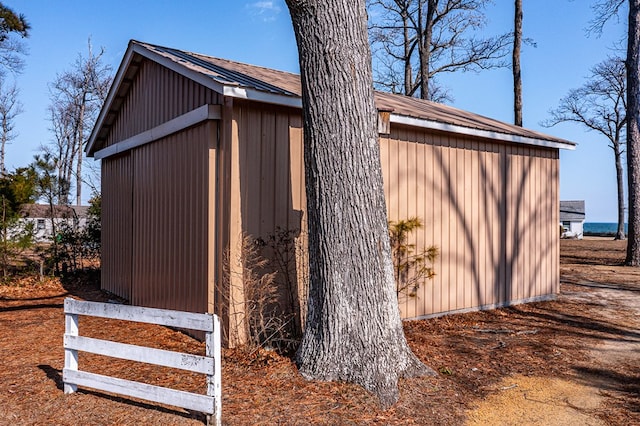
x: 490, y: 208
x: 156, y: 223
x: 267, y: 195
x: 156, y: 96
x: 170, y: 222
x: 175, y: 209
x: 270, y: 179
x: 116, y: 254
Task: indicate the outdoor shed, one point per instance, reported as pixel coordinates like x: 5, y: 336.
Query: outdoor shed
x: 44, y: 217
x: 197, y: 151
x: 572, y: 216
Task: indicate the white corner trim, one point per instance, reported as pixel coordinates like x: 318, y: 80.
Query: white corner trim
x: 260, y: 96
x: 452, y: 128
x: 193, y: 117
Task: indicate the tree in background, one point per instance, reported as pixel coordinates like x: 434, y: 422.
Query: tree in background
x: 16, y: 189
x: 353, y: 330
x: 605, y: 10
x: 70, y: 244
x: 76, y: 98
x: 93, y: 230
x: 416, y: 40
x: 633, y: 132
x: 53, y: 191
x: 515, y: 63
x: 10, y: 107
x: 600, y: 105
x: 13, y: 28
x: 78, y: 244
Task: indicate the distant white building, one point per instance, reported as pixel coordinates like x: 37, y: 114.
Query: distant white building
x: 41, y: 216
x: 572, y: 216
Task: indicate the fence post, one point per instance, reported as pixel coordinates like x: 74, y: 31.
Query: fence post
x: 70, y: 355
x: 214, y: 385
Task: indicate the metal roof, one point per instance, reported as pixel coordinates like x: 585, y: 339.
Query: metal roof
x: 221, y: 74
x: 261, y: 84
x: 572, y: 210
x: 58, y: 211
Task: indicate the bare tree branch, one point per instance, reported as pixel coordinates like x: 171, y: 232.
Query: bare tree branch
x: 76, y: 98
x: 415, y: 40
x: 604, y: 11
x: 600, y: 105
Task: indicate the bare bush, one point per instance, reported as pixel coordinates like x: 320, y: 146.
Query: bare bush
x: 256, y: 311
x: 288, y: 257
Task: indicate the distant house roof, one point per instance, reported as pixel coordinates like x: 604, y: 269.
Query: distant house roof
x: 38, y: 211
x: 260, y: 84
x: 572, y: 210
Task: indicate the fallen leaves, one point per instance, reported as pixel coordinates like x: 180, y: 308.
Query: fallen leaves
x: 476, y: 353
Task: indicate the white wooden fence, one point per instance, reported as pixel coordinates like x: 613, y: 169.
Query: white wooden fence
x: 209, y: 364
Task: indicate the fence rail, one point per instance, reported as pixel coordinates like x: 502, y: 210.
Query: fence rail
x: 210, y: 404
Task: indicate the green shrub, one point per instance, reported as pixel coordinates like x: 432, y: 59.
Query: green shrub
x: 411, y: 268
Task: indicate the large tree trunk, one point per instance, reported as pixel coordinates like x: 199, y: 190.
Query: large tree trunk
x: 620, y: 234
x: 517, y: 76
x: 353, y: 330
x: 633, y: 132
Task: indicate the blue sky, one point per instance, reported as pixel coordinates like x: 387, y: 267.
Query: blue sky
x: 260, y: 32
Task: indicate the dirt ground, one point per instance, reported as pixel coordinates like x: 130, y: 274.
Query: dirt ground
x: 575, y: 360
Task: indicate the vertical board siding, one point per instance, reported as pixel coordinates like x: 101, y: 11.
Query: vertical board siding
x: 270, y: 174
x: 156, y: 96
x: 490, y: 209
x: 156, y: 247
x: 271, y: 169
x: 116, y: 254
x: 170, y: 221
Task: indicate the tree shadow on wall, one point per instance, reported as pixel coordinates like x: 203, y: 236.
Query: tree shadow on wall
x: 510, y: 226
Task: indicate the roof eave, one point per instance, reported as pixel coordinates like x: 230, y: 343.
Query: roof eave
x: 236, y: 91
x: 231, y: 90
x: 113, y: 91
x: 260, y: 96
x: 224, y: 89
x: 469, y: 131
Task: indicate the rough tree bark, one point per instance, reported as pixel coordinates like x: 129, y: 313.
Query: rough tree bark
x: 353, y: 330
x: 517, y: 76
x: 633, y: 132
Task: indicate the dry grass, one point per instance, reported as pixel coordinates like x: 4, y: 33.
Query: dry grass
x: 474, y: 352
